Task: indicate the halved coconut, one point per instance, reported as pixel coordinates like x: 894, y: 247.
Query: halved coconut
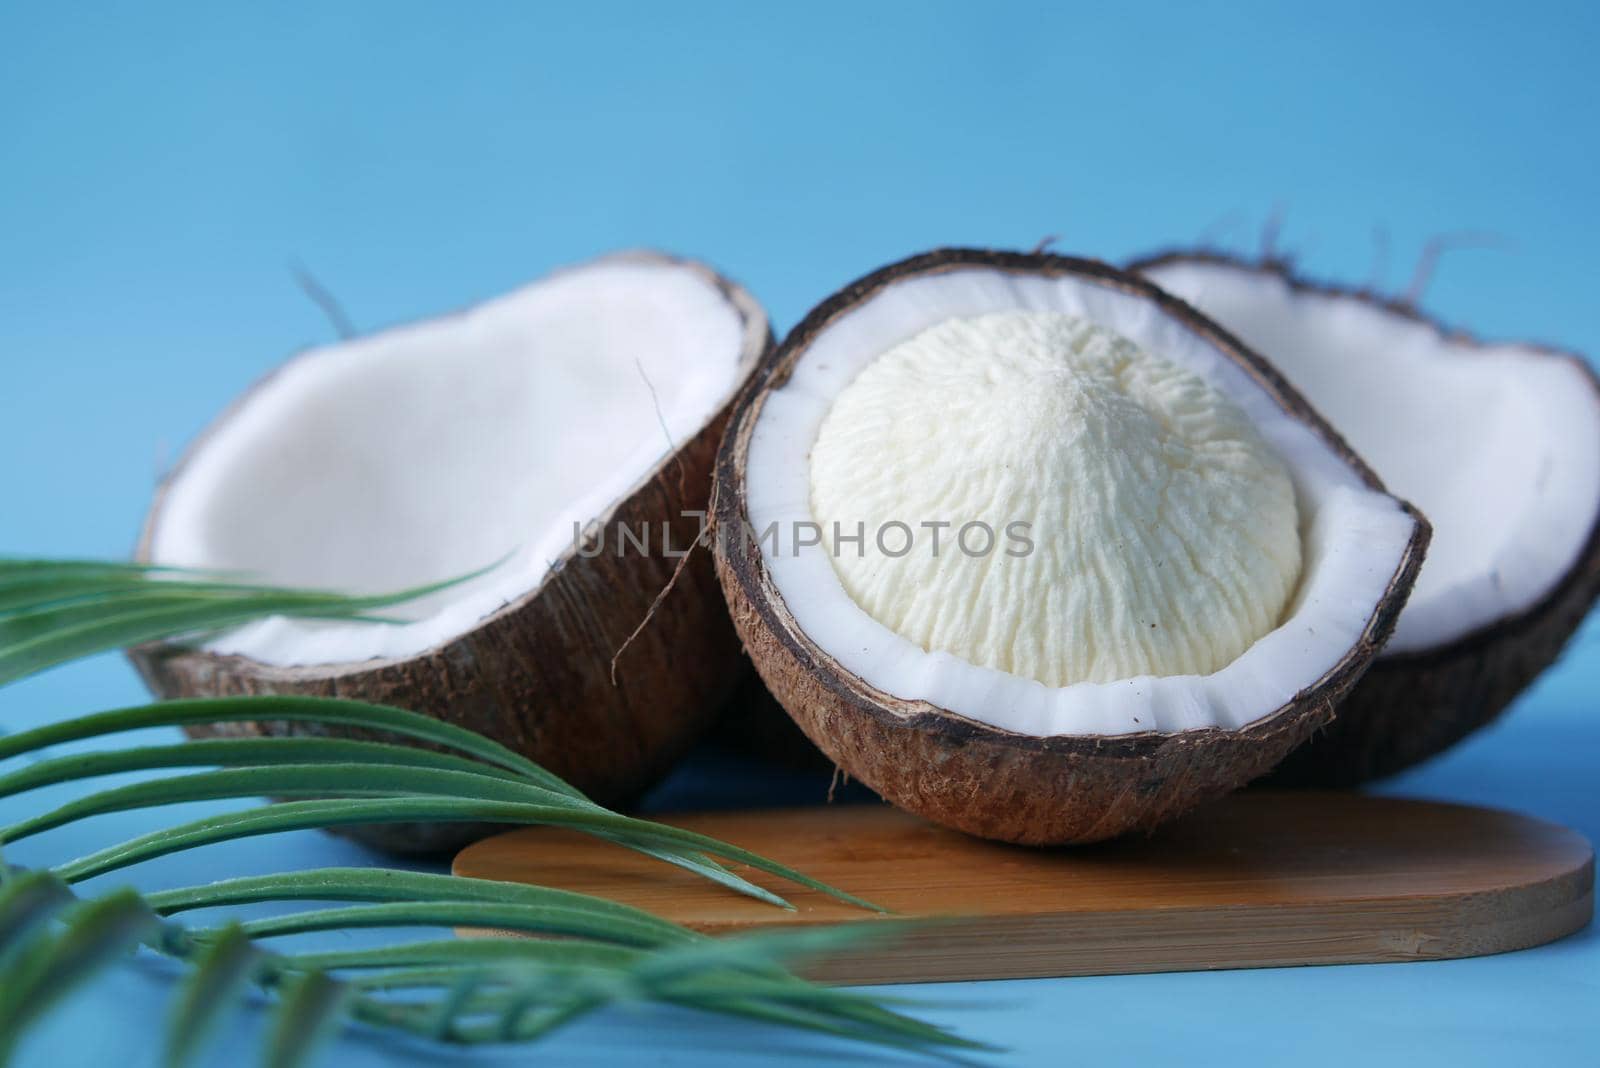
x: 1171, y: 482
x: 593, y: 401
x: 1499, y: 444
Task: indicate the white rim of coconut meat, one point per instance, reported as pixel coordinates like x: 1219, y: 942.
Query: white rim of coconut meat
x: 1497, y: 444
x: 1353, y: 538
x: 428, y: 451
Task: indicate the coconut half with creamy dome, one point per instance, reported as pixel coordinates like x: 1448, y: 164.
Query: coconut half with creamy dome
x: 561, y: 436
x: 1157, y: 569
x: 1497, y: 443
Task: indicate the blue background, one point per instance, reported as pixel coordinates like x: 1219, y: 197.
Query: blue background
x: 161, y: 168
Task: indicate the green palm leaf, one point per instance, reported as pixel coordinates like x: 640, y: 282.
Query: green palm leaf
x: 289, y: 780
x: 388, y: 885
x: 222, y: 974
x: 452, y: 955
x: 52, y: 965
x: 28, y: 901
x: 235, y: 753
x: 52, y: 612
x: 323, y: 711
x: 307, y: 1018
x: 308, y: 815
x: 583, y: 953
x: 529, y: 919
x: 560, y: 804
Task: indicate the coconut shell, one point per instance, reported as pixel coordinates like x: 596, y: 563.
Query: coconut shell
x: 970, y: 775
x: 536, y: 675
x: 1415, y: 705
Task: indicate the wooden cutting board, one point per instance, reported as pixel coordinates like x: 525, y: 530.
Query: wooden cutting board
x: 1260, y: 879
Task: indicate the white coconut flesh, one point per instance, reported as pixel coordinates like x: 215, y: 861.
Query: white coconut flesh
x: 1167, y: 533
x: 1498, y: 445
x: 1165, y: 486
x: 433, y: 450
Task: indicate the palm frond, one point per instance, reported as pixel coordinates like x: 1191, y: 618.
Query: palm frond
x: 307, y: 1017
x: 28, y: 901
x: 323, y: 711
x: 457, y: 953
x: 462, y: 795
x: 485, y: 990
x: 222, y: 974
x: 52, y: 964
x: 55, y: 611
x: 379, y: 886
x: 547, y: 957
x: 235, y: 753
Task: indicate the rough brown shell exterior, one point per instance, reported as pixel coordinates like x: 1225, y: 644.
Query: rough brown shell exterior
x: 1415, y: 705
x: 969, y: 775
x: 536, y: 675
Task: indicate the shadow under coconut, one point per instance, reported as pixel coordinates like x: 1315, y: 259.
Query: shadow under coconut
x: 754, y: 757
x: 1534, y: 762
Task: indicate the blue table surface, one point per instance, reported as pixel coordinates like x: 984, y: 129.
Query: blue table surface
x: 161, y: 169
